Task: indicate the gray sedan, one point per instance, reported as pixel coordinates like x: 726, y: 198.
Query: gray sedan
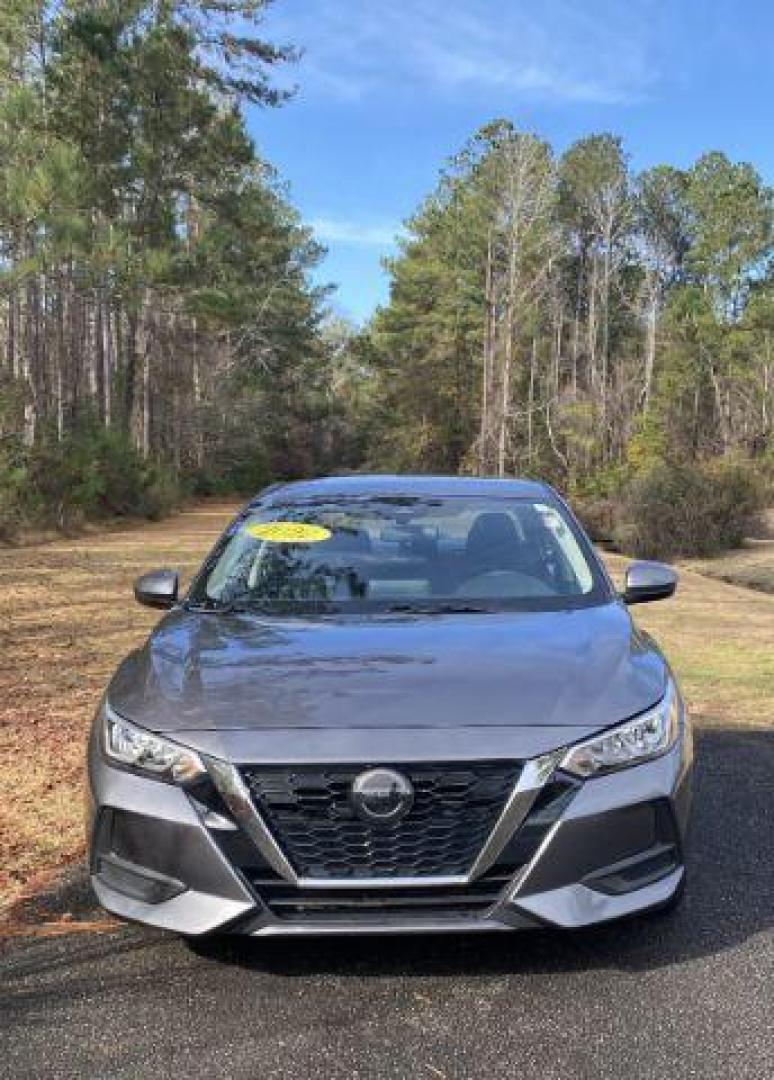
x: 392, y: 704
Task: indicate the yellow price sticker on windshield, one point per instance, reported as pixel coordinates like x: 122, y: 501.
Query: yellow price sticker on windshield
x: 288, y: 532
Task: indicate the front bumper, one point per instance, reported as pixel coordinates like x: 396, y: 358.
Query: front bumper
x: 600, y: 850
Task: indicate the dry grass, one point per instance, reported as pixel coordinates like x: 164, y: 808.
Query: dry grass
x: 68, y: 618
x: 720, y: 641
x: 751, y: 566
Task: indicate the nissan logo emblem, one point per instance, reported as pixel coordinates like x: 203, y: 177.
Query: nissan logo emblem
x: 382, y: 795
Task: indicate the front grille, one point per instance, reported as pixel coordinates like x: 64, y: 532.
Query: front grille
x: 308, y: 810
x: 291, y: 903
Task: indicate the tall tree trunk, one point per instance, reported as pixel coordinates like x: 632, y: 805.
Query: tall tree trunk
x: 198, y: 435
x: 27, y: 358
x: 651, y: 331
x: 591, y: 327
x: 531, y: 397
x: 605, y: 359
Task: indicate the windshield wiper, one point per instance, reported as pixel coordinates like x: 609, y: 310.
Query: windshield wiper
x: 243, y: 607
x: 438, y: 609
x: 240, y: 606
x: 217, y: 607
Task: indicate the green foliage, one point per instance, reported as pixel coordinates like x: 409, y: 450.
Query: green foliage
x: 239, y: 466
x: 701, y: 510
x: 647, y: 445
x: 90, y: 476
x: 593, y: 181
x: 157, y: 317
x: 663, y: 217
x: 731, y: 226
x: 478, y: 243
x: 577, y: 322
x: 13, y: 479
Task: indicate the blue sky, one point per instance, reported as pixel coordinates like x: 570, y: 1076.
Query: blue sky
x: 388, y: 89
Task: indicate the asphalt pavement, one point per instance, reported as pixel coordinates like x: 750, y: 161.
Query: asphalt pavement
x: 689, y: 994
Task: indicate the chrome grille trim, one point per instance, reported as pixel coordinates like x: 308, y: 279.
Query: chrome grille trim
x: 237, y: 798
x: 533, y: 776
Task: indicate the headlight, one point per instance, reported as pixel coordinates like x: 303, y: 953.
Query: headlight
x: 645, y: 737
x: 135, y: 748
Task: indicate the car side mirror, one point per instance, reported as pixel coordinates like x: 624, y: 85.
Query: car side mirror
x: 158, y: 589
x: 646, y: 581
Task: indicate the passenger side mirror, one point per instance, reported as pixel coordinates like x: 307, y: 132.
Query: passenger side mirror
x: 158, y: 589
x: 646, y: 581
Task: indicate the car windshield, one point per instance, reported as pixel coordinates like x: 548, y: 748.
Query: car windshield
x: 401, y: 554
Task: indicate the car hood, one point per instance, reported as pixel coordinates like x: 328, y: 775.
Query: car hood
x: 334, y: 687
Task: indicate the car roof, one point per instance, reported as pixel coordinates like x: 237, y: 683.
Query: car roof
x: 377, y: 484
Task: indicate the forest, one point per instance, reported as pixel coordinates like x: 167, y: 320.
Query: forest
x: 563, y: 317
x: 158, y: 329
x: 550, y: 314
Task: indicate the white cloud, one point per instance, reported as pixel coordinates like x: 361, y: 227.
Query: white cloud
x: 337, y: 231
x: 564, y: 51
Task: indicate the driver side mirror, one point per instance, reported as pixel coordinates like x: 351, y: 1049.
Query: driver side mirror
x: 646, y: 581
x: 158, y: 589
